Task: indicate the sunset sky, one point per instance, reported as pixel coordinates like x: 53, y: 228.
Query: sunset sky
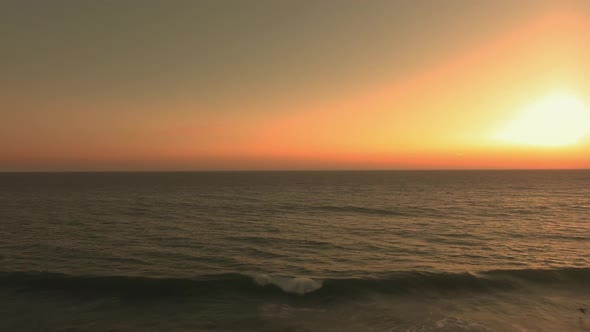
x: 241, y: 85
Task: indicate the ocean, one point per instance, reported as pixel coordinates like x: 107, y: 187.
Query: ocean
x: 295, y: 251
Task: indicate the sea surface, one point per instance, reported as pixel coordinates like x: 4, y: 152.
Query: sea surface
x: 295, y: 251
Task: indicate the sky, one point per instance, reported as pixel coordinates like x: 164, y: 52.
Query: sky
x: 247, y: 85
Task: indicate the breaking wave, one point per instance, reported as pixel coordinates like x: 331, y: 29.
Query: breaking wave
x: 296, y: 285
x: 262, y: 285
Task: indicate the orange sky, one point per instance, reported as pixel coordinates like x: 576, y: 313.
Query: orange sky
x: 438, y: 112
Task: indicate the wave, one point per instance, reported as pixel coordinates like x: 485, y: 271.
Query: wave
x: 264, y: 285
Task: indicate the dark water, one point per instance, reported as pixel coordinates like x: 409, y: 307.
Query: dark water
x: 295, y: 251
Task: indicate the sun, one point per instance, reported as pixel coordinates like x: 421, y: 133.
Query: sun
x: 559, y: 119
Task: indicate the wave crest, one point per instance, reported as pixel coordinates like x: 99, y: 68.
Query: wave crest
x: 296, y: 285
x: 267, y: 285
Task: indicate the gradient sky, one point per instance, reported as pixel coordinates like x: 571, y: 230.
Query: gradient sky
x: 205, y: 85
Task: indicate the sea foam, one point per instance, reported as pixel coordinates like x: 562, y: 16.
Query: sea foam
x: 295, y: 285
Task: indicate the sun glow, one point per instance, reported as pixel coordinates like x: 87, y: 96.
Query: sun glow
x: 556, y: 120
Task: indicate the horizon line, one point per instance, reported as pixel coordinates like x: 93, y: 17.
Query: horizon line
x: 295, y: 170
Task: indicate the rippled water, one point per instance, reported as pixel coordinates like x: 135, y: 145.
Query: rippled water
x: 296, y: 251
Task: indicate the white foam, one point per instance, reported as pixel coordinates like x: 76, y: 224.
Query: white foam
x: 295, y: 285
